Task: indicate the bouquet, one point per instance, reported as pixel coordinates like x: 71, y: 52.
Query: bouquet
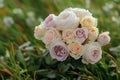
x: 72, y: 33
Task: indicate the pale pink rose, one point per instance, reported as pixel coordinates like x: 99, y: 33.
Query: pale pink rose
x: 81, y: 13
x: 81, y: 34
x: 39, y: 31
x: 75, y: 49
x: 66, y: 20
x: 88, y: 21
x: 68, y: 35
x: 92, y: 53
x: 104, y: 38
x: 58, y: 50
x: 49, y: 22
x: 50, y: 35
x: 93, y: 34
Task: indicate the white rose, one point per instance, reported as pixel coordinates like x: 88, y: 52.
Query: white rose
x: 92, y: 53
x: 81, y: 34
x: 50, y: 35
x: 49, y: 22
x: 104, y: 38
x: 68, y: 35
x: 93, y: 34
x: 58, y: 50
x: 75, y: 49
x: 39, y: 31
x: 66, y: 19
x: 88, y: 21
x: 81, y: 13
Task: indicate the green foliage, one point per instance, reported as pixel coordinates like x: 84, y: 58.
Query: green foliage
x: 22, y: 57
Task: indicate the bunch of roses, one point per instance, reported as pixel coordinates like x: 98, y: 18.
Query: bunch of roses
x: 72, y: 33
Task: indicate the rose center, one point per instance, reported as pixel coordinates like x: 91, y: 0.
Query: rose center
x: 75, y: 48
x: 88, y: 21
x: 59, y: 50
x: 95, y: 53
x: 68, y: 34
x: 80, y: 33
x: 104, y: 37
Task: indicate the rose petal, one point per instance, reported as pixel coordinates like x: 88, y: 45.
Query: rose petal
x: 66, y: 19
x: 50, y: 21
x: 80, y: 13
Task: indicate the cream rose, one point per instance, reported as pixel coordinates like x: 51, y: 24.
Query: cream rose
x: 50, y: 35
x: 88, y: 21
x: 104, y: 38
x: 81, y: 13
x: 39, y: 31
x: 49, y: 22
x: 92, y: 53
x: 75, y: 49
x: 58, y: 50
x: 68, y: 35
x: 66, y: 20
x: 81, y: 34
x: 93, y: 34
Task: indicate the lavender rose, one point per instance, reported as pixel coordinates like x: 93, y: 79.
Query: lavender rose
x: 58, y: 50
x: 81, y: 34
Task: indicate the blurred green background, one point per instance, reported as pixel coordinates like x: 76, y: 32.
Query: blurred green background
x: 22, y: 57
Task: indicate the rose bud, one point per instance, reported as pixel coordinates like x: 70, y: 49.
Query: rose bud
x: 58, y: 50
x: 49, y: 22
x: 81, y: 34
x: 92, y: 53
x: 75, y: 49
x: 88, y: 21
x: 93, y: 34
x: 66, y: 20
x: 104, y: 38
x: 68, y: 35
x: 39, y: 31
x: 50, y: 35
